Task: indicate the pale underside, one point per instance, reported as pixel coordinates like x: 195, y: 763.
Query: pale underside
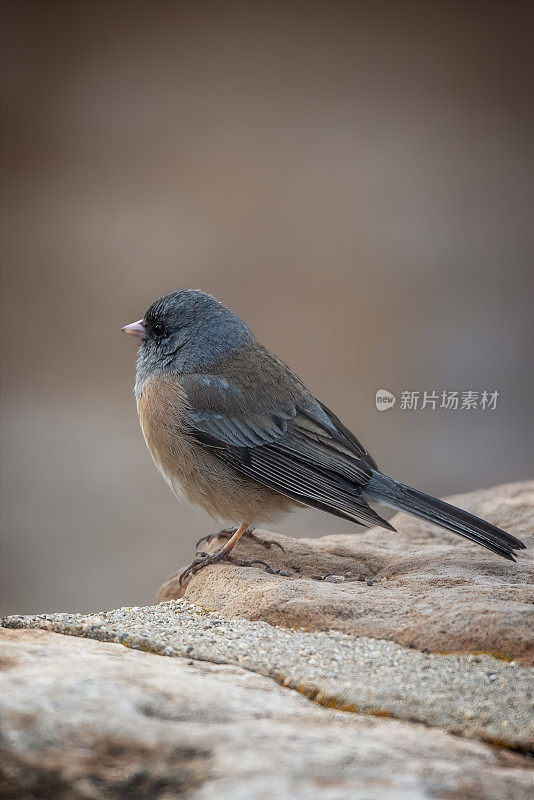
x: 195, y: 475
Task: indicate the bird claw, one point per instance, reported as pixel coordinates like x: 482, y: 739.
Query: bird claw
x: 202, y: 560
x: 257, y: 562
x: 267, y: 543
x: 226, y: 533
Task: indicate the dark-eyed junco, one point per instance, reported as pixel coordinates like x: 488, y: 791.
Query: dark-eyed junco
x: 231, y: 428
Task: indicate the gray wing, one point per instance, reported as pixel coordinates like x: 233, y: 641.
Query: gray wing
x: 296, y: 447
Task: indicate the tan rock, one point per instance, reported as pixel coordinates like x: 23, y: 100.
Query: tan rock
x: 473, y: 696
x: 84, y: 720
x: 430, y: 589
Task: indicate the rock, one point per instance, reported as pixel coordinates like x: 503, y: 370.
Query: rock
x: 374, y: 677
x: 280, y: 691
x: 421, y: 587
x: 84, y: 720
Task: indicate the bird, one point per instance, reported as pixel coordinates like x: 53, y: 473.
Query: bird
x: 232, y: 429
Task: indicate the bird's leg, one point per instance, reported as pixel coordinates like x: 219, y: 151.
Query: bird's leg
x: 204, y: 559
x: 226, y: 533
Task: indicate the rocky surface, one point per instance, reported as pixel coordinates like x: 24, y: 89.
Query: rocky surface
x: 430, y: 589
x: 86, y: 720
x: 475, y: 696
x: 258, y: 686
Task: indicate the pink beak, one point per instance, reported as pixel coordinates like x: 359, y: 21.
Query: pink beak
x: 135, y: 329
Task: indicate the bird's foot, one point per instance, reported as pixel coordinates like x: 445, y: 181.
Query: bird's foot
x: 256, y: 562
x: 267, y: 543
x: 205, y: 559
x: 202, y: 560
x: 227, y: 533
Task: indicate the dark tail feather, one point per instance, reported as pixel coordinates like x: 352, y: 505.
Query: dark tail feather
x: 387, y: 491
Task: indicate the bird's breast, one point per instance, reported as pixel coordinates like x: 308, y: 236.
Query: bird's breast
x: 161, y: 405
x: 194, y: 474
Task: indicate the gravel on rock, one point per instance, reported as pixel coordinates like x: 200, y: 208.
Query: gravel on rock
x: 476, y: 696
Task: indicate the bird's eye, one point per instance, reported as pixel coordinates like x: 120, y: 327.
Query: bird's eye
x: 158, y: 329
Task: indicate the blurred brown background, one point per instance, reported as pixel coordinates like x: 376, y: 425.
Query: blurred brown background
x: 354, y: 179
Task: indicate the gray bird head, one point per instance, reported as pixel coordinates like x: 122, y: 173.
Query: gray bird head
x: 187, y: 331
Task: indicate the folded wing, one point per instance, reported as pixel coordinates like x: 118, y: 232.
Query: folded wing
x: 297, y: 448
